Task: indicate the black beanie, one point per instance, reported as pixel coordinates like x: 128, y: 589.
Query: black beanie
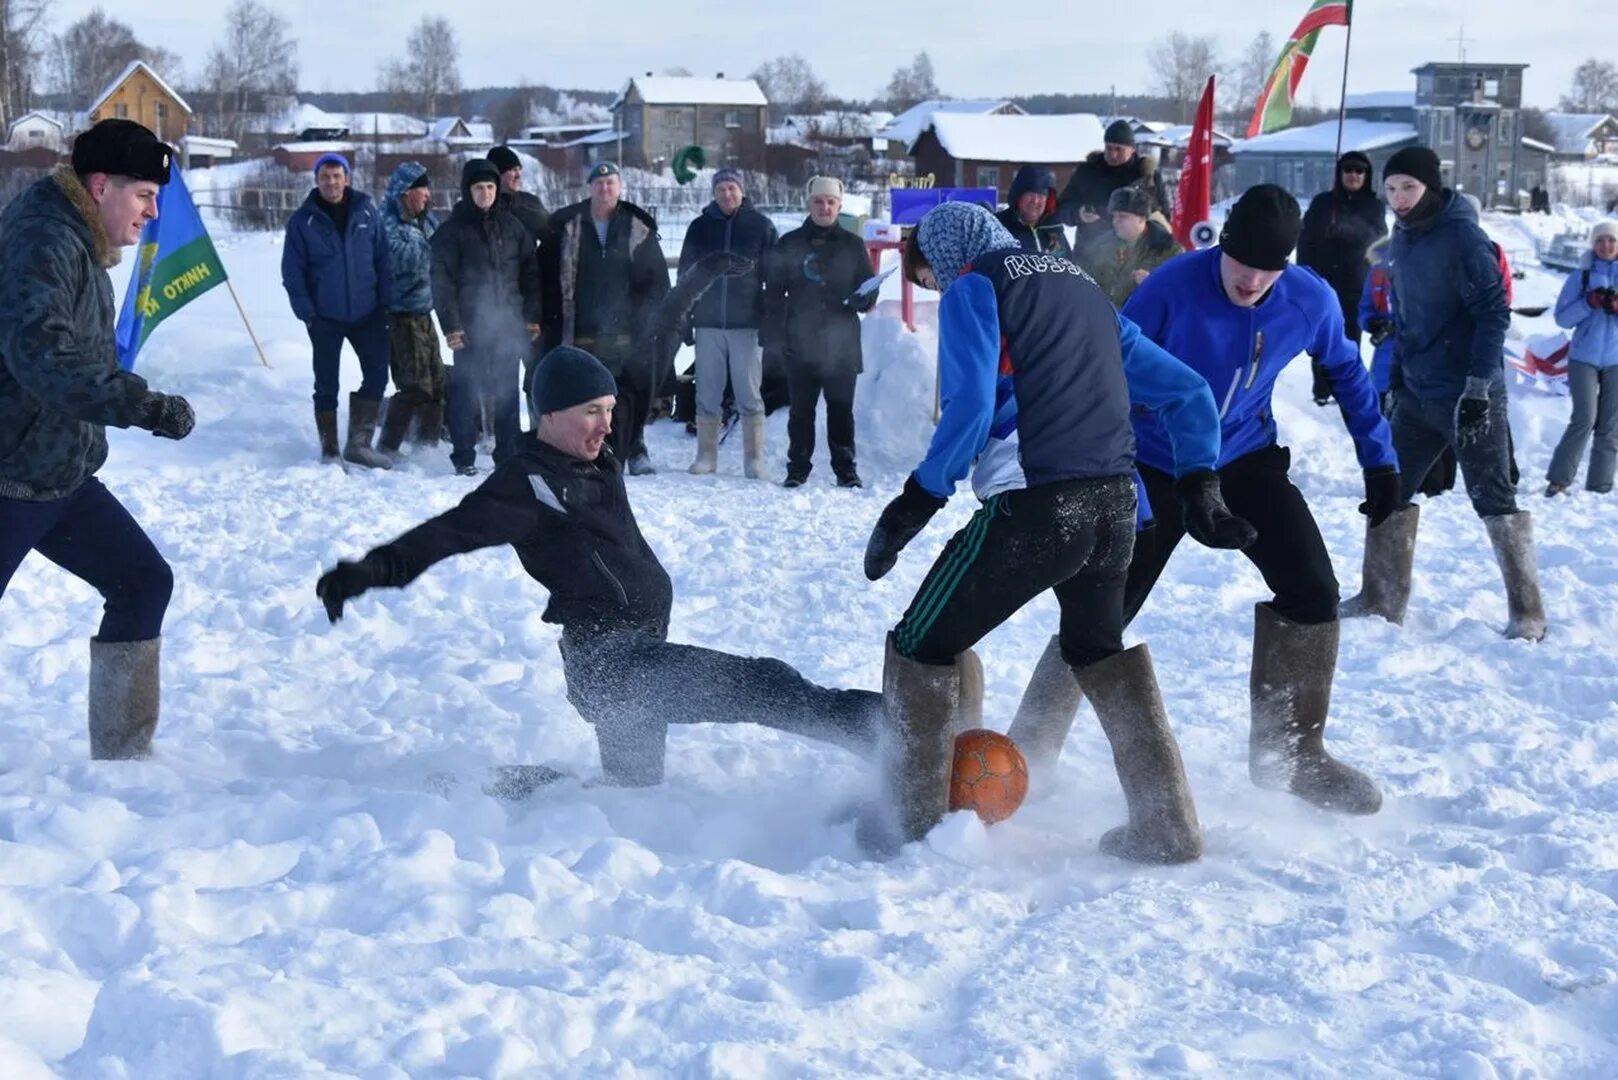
x: 504, y: 158
x: 478, y: 171
x: 1119, y: 133
x: 1418, y: 163
x: 122, y: 148
x: 421, y: 181
x: 568, y: 376
x: 1262, y: 228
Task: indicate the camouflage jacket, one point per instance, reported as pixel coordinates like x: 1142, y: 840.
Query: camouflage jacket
x: 1113, y: 263
x: 408, y: 248
x: 60, y: 384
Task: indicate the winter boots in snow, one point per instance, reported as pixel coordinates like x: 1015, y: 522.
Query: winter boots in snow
x: 1390, y: 554
x: 326, y: 425
x: 361, y: 430
x: 123, y: 698
x: 431, y: 427
x: 395, y: 426
x: 753, y: 447
x: 1513, y: 538
x: 707, y: 446
x: 1293, y: 666
x: 1046, y: 713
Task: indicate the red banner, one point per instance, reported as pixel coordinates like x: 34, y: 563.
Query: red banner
x: 1193, y: 199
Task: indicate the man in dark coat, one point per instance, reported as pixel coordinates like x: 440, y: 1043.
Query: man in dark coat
x: 726, y: 322
x: 60, y: 386
x: 413, y: 354
x: 1030, y: 213
x: 812, y: 316
x: 1338, y: 229
x: 604, y: 273
x: 334, y: 267
x: 525, y: 205
x: 562, y: 506
x: 486, y: 291
x: 1118, y: 164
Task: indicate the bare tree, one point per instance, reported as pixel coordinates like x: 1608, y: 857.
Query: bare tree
x: 1179, y: 66
x: 90, y: 53
x: 791, y: 86
x: 430, y: 71
x: 22, y: 42
x: 1252, y: 69
x: 1594, y: 87
x: 912, y: 84
x: 257, y: 58
x: 514, y: 112
x: 1535, y: 125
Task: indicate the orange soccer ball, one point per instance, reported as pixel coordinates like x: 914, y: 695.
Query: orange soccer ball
x: 990, y: 775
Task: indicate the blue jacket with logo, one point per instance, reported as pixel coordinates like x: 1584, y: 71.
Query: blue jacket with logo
x: 1241, y: 351
x: 1038, y: 373
x: 341, y: 278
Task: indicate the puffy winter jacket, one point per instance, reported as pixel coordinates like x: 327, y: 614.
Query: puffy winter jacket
x: 1338, y: 228
x: 1047, y: 236
x: 59, y: 378
x: 1241, y: 351
x: 1094, y: 181
x: 409, y: 248
x: 1450, y: 305
x: 341, y: 278
x: 732, y: 303
x: 1595, y: 333
x: 485, y: 275
x: 1113, y: 263
x: 603, y: 294
x: 811, y: 272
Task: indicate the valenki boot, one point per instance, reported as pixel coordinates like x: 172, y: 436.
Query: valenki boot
x: 395, y: 426
x: 123, y: 698
x: 1512, y: 536
x: 753, y: 447
x: 707, y: 447
x: 326, y: 425
x: 1390, y: 555
x: 361, y: 430
x: 1049, y: 705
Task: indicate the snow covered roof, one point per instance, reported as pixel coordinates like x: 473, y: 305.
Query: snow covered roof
x: 845, y: 123
x: 204, y: 144
x: 1381, y: 99
x: 1535, y: 144
x: 383, y: 123
x: 691, y: 90
x: 1021, y: 139
x: 37, y: 115
x: 328, y: 147
x: 599, y: 138
x: 123, y: 76
x: 1321, y: 138
x: 1179, y: 135
x: 908, y: 125
x: 304, y: 117
x: 1573, y: 130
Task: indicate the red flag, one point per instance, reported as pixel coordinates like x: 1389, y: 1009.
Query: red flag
x: 1193, y: 199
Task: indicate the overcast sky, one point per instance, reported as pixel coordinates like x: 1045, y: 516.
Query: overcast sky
x: 978, y: 49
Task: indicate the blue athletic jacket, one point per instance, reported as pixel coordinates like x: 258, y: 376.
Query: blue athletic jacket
x: 1038, y: 373
x: 1595, y: 333
x: 1240, y: 352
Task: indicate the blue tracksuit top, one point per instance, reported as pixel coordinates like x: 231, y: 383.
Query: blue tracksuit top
x: 1241, y: 351
x: 1038, y: 374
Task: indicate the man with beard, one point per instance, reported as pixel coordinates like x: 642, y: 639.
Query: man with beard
x: 1338, y: 229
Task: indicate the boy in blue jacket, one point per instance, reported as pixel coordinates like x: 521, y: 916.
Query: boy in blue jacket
x: 1239, y: 313
x: 1038, y: 374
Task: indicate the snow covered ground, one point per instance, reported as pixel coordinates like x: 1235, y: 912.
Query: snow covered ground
x: 293, y: 888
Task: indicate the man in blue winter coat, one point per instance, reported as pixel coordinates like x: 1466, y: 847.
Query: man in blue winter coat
x: 1030, y: 213
x: 1038, y: 375
x: 334, y: 267
x: 1239, y: 313
x: 1450, y: 320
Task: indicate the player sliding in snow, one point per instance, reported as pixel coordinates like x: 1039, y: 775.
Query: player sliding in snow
x: 1239, y: 314
x: 561, y: 504
x: 1038, y: 373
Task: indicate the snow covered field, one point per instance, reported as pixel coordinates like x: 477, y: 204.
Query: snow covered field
x: 297, y: 886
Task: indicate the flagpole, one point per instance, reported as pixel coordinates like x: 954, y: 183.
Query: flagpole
x: 243, y: 314
x: 1342, y: 97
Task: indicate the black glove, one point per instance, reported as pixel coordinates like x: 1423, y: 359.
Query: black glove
x: 903, y: 518
x: 1207, y: 519
x: 342, y: 584
x: 1381, y: 494
x: 1380, y: 328
x: 1322, y: 387
x: 1612, y: 301
x: 1472, y: 412
x: 1598, y: 298
x: 168, y: 415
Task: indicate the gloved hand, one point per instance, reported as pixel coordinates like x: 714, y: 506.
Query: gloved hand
x: 904, y: 517
x: 168, y: 415
x: 1381, y: 494
x: 1380, y: 328
x: 1207, y: 519
x: 1599, y: 298
x: 1612, y: 301
x: 1472, y: 412
x: 342, y: 584
x: 1322, y: 384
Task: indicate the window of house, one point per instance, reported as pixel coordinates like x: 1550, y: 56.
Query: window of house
x: 162, y: 110
x: 121, y: 112
x: 733, y: 119
x: 1446, y: 170
x: 1491, y: 88
x: 1446, y: 126
x: 989, y: 176
x: 1424, y: 85
x: 1506, y: 125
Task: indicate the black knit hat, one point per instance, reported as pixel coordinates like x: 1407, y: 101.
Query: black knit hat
x: 122, y: 148
x: 478, y: 171
x: 505, y: 158
x: 1119, y: 133
x: 1353, y: 158
x: 1418, y: 163
x: 1130, y: 199
x: 568, y: 376
x: 1262, y: 228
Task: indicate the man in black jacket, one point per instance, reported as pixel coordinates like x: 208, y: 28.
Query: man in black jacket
x: 1118, y: 164
x: 486, y: 292
x: 528, y: 209
x: 604, y: 273
x: 1030, y: 213
x: 1338, y: 229
x: 562, y: 506
x: 812, y: 316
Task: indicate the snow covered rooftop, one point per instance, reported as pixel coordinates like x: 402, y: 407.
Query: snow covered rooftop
x: 1381, y: 99
x: 205, y: 144
x: 1321, y: 138
x: 908, y: 125
x: 384, y: 123
x: 305, y: 117
x: 1573, y: 130
x: 130, y: 69
x: 691, y: 90
x: 1178, y: 135
x: 1040, y: 139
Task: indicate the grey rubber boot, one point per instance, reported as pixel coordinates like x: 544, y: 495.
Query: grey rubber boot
x: 707, y: 447
x: 921, y: 702
x: 633, y: 750
x: 1513, y: 538
x: 1047, y: 711
x: 1163, y: 824
x: 123, y: 698
x: 1390, y: 555
x: 361, y: 430
x: 1293, y: 667
x: 326, y: 425
x: 753, y: 447
x: 395, y: 426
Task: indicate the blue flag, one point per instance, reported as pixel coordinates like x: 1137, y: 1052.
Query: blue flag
x: 177, y: 264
